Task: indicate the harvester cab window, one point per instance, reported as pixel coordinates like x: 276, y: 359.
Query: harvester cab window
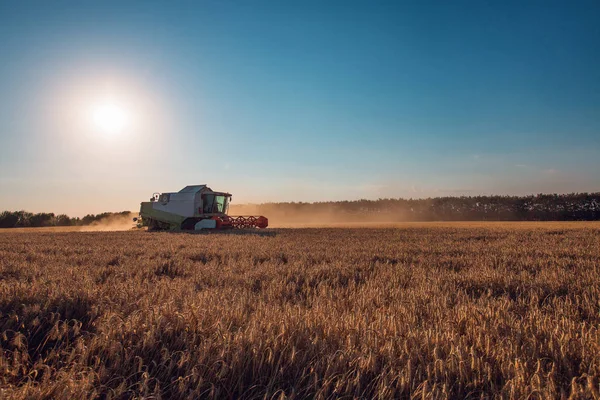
x: 207, y: 203
x: 214, y: 204
x: 220, y: 204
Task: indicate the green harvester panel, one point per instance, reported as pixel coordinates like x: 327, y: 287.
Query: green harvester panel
x: 148, y: 212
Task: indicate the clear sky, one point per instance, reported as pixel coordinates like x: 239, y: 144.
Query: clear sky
x: 103, y: 103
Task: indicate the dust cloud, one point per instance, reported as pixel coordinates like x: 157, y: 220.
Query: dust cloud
x: 310, y: 217
x: 120, y: 222
x: 277, y: 219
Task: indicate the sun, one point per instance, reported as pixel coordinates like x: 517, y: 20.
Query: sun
x: 110, y: 118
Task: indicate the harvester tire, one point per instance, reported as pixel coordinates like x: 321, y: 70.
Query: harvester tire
x: 152, y: 225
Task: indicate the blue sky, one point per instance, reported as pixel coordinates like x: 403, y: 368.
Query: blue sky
x: 297, y: 100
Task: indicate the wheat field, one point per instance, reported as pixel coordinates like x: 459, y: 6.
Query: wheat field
x: 417, y: 311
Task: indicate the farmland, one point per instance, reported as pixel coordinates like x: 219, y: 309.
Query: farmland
x: 420, y: 310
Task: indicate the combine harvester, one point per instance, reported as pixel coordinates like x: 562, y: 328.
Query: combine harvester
x: 194, y: 207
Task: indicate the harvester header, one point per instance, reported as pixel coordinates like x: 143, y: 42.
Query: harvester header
x: 194, y: 207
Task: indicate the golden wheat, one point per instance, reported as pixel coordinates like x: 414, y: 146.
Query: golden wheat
x: 420, y: 311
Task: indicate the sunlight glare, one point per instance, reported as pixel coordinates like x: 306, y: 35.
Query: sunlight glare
x: 110, y: 118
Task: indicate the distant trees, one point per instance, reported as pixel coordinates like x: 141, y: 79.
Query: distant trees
x: 541, y: 207
x: 63, y: 220
x: 42, y: 219
x: 24, y: 219
x: 8, y: 219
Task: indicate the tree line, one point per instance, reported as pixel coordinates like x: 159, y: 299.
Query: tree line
x: 541, y: 207
x: 25, y: 219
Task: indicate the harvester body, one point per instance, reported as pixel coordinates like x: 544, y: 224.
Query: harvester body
x: 194, y: 207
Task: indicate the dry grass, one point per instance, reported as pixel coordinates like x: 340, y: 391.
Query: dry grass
x: 425, y: 311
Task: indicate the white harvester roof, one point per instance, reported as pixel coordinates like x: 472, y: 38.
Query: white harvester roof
x: 192, y: 189
x: 187, y: 194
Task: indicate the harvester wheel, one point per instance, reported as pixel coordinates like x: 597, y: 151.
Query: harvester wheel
x: 152, y: 225
x: 156, y: 225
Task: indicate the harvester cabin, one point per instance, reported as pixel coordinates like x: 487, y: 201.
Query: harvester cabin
x: 193, y: 200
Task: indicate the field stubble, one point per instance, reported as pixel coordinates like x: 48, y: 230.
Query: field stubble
x: 428, y: 311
